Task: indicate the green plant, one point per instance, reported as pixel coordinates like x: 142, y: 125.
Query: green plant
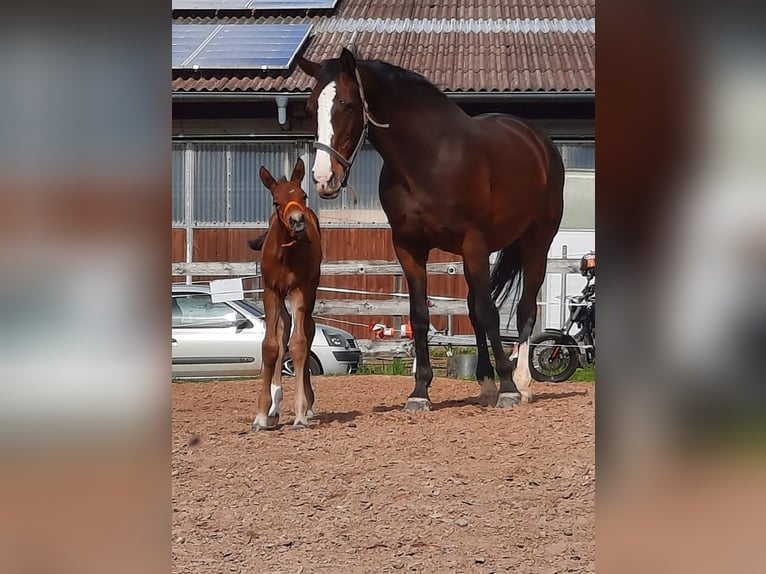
x: 585, y: 375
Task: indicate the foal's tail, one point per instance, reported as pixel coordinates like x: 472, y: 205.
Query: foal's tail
x: 257, y: 243
x: 506, y: 276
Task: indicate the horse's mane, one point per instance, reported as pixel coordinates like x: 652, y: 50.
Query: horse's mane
x: 392, y: 74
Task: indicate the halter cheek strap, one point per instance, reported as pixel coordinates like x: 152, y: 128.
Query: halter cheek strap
x: 368, y: 119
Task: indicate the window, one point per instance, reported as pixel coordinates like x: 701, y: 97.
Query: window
x: 200, y: 311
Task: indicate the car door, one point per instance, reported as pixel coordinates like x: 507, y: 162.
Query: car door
x: 214, y: 339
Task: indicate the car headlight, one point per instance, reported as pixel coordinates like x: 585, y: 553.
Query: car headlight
x: 334, y: 340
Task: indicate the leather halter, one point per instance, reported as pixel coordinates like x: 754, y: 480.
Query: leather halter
x: 368, y: 119
x: 283, y: 218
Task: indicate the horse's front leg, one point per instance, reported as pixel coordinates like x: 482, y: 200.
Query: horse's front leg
x: 413, y: 262
x: 268, y: 410
x: 299, y: 350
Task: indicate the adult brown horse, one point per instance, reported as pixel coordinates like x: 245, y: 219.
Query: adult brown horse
x: 467, y: 185
x: 292, y: 255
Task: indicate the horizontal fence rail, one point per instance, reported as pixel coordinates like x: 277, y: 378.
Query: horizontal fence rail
x: 373, y: 267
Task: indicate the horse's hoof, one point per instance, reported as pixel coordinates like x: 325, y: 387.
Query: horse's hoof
x: 416, y: 404
x: 488, y: 393
x: 262, y: 422
x: 309, y: 414
x: 300, y: 425
x: 526, y: 397
x: 508, y: 400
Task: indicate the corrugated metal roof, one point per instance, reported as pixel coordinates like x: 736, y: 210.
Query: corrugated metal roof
x: 459, y: 45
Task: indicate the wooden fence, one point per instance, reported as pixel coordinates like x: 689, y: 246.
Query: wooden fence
x: 392, y: 304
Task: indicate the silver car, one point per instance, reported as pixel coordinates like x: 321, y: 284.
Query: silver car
x: 214, y: 340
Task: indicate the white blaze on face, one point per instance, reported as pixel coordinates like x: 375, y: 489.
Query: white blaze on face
x: 322, y: 165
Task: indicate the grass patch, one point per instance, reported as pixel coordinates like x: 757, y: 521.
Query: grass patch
x: 396, y: 366
x: 585, y: 375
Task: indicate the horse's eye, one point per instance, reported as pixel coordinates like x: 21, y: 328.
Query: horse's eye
x: 275, y: 205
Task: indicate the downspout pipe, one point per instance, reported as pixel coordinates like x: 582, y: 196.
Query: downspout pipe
x: 281, y: 109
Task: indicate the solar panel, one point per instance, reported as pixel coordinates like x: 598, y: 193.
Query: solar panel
x: 253, y: 4
x: 187, y: 38
x: 250, y: 46
x: 210, y: 4
x: 292, y: 4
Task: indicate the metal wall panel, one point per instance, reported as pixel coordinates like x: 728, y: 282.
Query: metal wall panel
x: 177, y: 192
x: 210, y: 183
x: 250, y: 200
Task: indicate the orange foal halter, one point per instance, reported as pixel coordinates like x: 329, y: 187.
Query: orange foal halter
x: 284, y: 221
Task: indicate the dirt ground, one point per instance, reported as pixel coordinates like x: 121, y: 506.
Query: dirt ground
x: 370, y: 488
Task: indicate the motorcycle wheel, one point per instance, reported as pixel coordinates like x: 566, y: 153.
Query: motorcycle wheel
x: 551, y: 359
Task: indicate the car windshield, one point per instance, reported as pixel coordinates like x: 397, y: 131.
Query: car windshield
x: 251, y: 307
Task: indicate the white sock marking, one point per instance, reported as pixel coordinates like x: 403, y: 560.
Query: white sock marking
x: 322, y: 165
x: 276, y: 398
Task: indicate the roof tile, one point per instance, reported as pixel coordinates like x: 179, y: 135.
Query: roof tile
x: 486, y: 60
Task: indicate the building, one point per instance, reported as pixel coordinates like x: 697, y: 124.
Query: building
x: 238, y: 103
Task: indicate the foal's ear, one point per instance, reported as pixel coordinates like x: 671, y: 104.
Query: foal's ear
x: 267, y: 179
x: 311, y: 68
x: 348, y: 60
x: 298, y: 172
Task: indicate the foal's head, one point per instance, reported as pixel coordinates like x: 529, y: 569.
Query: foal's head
x: 289, y: 199
x: 336, y: 103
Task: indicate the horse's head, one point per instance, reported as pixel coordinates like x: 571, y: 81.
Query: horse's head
x: 337, y: 102
x: 289, y: 199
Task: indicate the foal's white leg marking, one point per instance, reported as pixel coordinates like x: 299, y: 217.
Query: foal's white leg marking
x: 322, y: 165
x: 521, y: 375
x: 276, y: 398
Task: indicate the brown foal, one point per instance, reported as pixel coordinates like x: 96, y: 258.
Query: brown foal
x: 292, y: 255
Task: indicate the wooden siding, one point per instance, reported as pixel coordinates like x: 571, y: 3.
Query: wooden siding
x: 338, y: 244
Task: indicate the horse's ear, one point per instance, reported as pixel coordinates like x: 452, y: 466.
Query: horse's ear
x: 348, y: 60
x: 267, y: 179
x: 298, y: 172
x: 311, y: 68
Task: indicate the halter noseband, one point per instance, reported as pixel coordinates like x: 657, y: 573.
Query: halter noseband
x: 368, y: 119
x: 283, y: 218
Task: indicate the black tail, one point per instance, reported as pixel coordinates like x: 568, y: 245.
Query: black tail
x: 506, y: 276
x: 257, y: 244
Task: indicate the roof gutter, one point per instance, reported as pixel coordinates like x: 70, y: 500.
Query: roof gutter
x: 459, y: 96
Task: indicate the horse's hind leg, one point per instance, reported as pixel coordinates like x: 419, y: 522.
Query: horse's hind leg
x: 476, y: 265
x: 534, y: 253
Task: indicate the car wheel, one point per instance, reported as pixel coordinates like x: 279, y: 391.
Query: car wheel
x: 288, y: 369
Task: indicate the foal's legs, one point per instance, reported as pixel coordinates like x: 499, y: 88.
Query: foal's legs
x: 476, y: 265
x: 534, y: 255
x: 270, y: 353
x: 413, y: 262
x: 299, y: 349
x: 485, y: 374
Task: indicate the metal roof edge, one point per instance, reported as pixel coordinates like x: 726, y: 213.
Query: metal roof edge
x: 582, y: 96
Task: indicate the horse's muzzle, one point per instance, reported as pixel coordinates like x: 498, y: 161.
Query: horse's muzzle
x: 328, y: 189
x: 297, y: 223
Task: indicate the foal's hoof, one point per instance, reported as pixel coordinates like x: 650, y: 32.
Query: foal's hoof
x: 508, y: 400
x: 416, y: 404
x: 262, y: 423
x: 300, y: 425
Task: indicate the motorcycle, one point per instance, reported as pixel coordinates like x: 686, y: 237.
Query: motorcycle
x: 555, y: 354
